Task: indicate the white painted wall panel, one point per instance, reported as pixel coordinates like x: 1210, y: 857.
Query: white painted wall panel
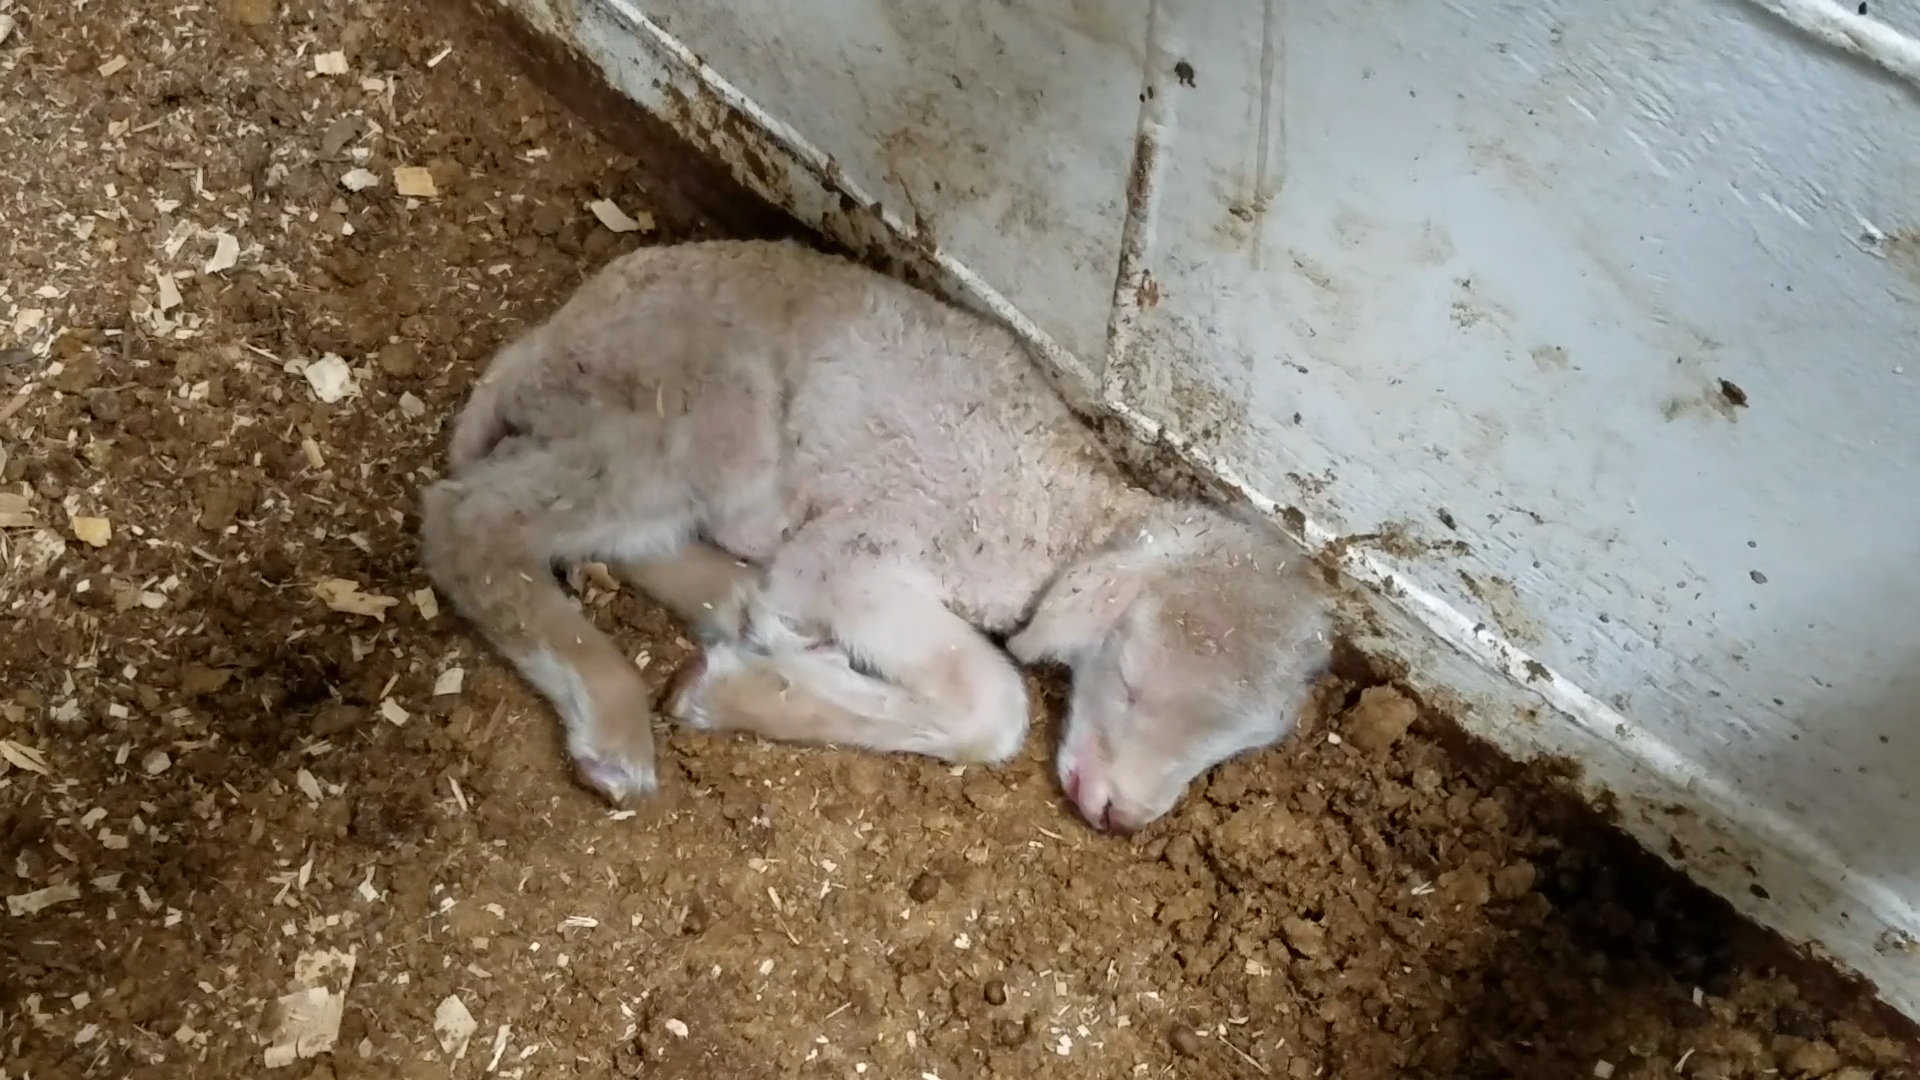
x: 1470, y: 277
x: 1003, y: 129
x: 1508, y: 259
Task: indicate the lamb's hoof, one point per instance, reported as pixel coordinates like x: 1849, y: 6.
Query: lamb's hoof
x: 620, y: 783
x: 682, y: 691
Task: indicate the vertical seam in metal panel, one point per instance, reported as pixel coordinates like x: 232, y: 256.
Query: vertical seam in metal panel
x: 1271, y: 140
x: 1136, y: 230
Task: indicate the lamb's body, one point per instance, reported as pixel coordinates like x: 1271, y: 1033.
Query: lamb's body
x: 898, y: 469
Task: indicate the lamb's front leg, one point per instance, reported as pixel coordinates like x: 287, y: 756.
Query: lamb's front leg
x: 902, y: 674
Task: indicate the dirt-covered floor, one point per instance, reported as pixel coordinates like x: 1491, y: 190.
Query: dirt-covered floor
x: 237, y: 734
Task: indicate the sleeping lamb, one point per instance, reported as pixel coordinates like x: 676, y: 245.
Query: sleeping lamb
x: 845, y: 486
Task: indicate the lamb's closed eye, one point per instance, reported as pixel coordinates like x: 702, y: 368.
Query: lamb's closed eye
x: 1205, y: 665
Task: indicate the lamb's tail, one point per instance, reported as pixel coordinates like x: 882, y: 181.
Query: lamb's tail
x: 481, y: 425
x: 492, y: 414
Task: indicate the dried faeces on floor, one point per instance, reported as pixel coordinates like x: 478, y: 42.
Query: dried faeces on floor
x: 262, y: 801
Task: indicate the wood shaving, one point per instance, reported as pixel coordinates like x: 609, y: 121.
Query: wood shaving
x: 169, y: 292
x: 346, y: 597
x: 92, y: 531
x: 330, y: 377
x: 226, y: 253
x: 500, y: 1037
x: 21, y: 756
x: 453, y: 1026
x: 309, y: 1013
x: 449, y: 682
x: 28, y: 903
x: 414, y: 182
x: 617, y: 220
x: 16, y: 511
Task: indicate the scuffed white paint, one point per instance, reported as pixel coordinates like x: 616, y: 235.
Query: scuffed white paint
x: 1469, y: 276
x: 1853, y: 30
x: 1511, y: 295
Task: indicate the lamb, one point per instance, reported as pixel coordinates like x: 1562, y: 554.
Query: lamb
x: 849, y: 490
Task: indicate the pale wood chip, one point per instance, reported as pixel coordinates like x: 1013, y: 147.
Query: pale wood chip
x: 308, y: 1016
x: 414, y: 182
x: 346, y: 597
x: 453, y: 1026
x: 92, y: 531
x: 169, y: 291
x: 226, y: 253
x: 22, y: 756
x: 617, y: 219
x: 23, y: 904
x: 16, y: 511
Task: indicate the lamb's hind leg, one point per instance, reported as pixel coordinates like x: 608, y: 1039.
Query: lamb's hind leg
x: 937, y: 686
x: 489, y: 539
x: 703, y: 586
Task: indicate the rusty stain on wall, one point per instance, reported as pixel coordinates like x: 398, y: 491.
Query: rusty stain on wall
x: 1098, y: 20
x: 1550, y: 358
x: 1722, y: 398
x: 1471, y: 308
x: 1126, y: 363
x: 1247, y: 192
x: 931, y: 146
x: 1902, y: 249
x: 1210, y: 409
x: 1486, y: 436
x: 718, y: 130
x: 1400, y: 540
x: 1502, y: 603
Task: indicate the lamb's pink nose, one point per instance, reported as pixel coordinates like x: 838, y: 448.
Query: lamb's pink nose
x: 1093, y: 803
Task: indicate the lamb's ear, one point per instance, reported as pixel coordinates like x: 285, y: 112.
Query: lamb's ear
x: 1081, y: 607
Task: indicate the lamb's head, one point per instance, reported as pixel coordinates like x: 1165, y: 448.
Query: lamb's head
x: 1191, y: 641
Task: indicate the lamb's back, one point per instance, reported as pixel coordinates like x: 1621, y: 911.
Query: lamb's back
x: 937, y: 433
